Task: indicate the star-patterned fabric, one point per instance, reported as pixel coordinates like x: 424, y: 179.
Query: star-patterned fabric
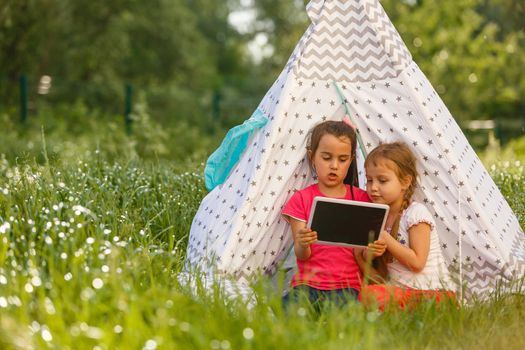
x: 351, y: 59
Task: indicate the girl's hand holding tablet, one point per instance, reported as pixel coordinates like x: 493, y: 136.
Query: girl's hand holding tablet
x: 305, y: 236
x: 376, y: 248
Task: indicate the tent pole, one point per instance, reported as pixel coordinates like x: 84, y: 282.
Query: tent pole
x: 347, y: 112
x: 460, y: 249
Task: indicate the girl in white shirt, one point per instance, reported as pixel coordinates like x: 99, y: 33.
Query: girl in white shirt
x: 413, y: 258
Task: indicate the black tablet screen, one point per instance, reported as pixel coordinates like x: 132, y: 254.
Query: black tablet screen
x: 350, y: 224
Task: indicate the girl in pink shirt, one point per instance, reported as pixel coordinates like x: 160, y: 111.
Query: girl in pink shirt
x: 326, y: 272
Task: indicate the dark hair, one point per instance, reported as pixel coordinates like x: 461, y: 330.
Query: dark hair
x: 338, y: 129
x: 404, y: 161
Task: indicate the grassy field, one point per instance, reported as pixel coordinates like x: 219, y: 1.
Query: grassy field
x: 93, y: 229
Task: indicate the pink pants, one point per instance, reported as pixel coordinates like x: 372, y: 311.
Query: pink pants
x: 384, y: 295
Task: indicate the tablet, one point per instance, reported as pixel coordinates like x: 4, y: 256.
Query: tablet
x: 346, y: 222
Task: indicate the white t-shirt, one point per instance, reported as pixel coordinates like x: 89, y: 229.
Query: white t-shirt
x: 435, y: 274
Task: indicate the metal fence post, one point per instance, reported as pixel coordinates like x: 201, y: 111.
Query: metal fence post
x: 128, y: 105
x: 23, y: 98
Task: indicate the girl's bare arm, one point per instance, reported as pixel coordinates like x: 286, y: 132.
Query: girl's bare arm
x: 415, y: 255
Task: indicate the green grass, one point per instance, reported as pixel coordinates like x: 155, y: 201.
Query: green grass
x: 91, y: 255
x: 92, y: 241
x: 510, y: 178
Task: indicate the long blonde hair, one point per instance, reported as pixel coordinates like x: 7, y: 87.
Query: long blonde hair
x: 404, y: 167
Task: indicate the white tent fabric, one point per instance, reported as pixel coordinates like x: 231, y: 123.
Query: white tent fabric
x: 351, y: 57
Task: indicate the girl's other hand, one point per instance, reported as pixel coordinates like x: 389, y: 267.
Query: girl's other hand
x: 377, y: 248
x: 306, y: 236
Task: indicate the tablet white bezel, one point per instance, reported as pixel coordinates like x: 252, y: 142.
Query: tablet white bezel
x: 351, y: 203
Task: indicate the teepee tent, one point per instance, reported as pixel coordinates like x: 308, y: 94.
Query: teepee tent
x: 351, y: 60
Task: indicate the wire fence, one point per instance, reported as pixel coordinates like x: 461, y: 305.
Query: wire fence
x: 25, y: 95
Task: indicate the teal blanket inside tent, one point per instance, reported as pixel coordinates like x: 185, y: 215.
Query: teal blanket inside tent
x: 222, y: 161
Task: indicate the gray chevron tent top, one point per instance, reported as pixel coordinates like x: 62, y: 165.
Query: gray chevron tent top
x: 352, y: 41
x: 351, y: 60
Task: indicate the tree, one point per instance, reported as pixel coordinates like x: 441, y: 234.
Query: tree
x: 22, y: 25
x: 282, y: 23
x: 472, y: 62
x: 91, y: 49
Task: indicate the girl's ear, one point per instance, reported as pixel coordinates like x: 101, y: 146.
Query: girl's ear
x: 407, y: 181
x: 310, y: 154
x: 310, y: 158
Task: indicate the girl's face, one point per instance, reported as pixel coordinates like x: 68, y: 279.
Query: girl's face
x: 331, y: 161
x: 383, y: 185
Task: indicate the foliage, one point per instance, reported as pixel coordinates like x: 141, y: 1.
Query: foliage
x: 72, y: 131
x: 166, y: 49
x: 193, y: 65
x: 468, y: 57
x: 513, y: 151
x: 510, y: 178
x: 283, y: 23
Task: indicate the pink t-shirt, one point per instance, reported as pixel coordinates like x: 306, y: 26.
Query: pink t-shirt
x: 329, y: 266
